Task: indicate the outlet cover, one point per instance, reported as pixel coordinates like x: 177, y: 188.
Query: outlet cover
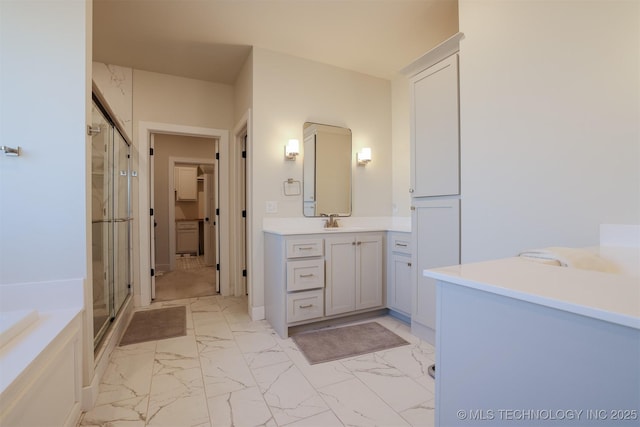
x: 272, y: 207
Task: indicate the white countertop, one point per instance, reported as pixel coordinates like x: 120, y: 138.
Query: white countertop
x: 293, y: 226
x: 613, y: 298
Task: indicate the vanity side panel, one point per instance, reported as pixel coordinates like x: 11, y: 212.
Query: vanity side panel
x: 275, y: 283
x: 495, y: 354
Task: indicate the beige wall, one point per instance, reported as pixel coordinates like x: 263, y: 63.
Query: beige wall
x: 550, y: 98
x: 166, y: 146
x: 288, y: 91
x: 174, y: 100
x: 178, y: 100
x: 400, y: 155
x: 243, y: 88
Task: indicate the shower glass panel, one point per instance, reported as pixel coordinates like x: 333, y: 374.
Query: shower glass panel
x: 100, y: 167
x: 121, y: 220
x: 110, y: 171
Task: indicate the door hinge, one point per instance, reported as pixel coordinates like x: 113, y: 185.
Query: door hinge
x: 218, y: 267
x: 244, y: 154
x: 153, y: 272
x: 217, y: 156
x: 217, y: 211
x: 151, y: 151
x: 244, y: 273
x: 151, y: 211
x: 244, y: 214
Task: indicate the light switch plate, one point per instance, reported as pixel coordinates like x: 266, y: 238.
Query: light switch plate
x: 272, y: 207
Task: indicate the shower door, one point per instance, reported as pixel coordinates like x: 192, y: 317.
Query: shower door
x: 110, y: 194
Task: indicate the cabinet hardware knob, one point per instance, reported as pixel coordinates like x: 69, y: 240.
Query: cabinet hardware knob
x: 409, y: 264
x: 411, y: 190
x: 306, y: 306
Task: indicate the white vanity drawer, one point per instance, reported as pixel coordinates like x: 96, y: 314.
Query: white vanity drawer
x: 304, y: 248
x: 305, y: 274
x: 305, y: 305
x: 401, y: 244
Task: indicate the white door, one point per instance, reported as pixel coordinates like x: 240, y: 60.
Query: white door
x: 209, y: 220
x: 152, y: 221
x: 243, y: 219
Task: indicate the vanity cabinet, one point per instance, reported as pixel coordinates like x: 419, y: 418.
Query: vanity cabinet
x: 436, y: 239
x: 187, y: 237
x: 294, y: 280
x: 435, y: 174
x: 399, y: 273
x: 186, y: 183
x: 314, y: 277
x: 354, y: 272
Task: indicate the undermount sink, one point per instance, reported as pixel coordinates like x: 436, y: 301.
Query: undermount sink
x: 343, y: 229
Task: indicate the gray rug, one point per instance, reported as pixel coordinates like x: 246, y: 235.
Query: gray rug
x: 158, y: 324
x: 326, y: 345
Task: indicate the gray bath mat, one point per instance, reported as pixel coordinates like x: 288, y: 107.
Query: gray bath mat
x: 158, y: 324
x: 326, y: 345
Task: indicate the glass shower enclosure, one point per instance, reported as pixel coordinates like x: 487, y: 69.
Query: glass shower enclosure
x: 110, y: 221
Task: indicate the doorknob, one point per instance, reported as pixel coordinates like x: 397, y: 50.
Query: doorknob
x: 206, y: 219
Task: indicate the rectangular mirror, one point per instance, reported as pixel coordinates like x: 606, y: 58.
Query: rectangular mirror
x: 326, y: 173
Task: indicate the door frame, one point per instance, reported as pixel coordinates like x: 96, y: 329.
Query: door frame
x: 142, y: 277
x: 243, y: 285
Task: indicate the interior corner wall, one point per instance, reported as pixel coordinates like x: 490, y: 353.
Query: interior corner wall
x: 43, y: 194
x: 288, y: 91
x: 550, y: 141
x: 243, y: 89
x: 401, y: 154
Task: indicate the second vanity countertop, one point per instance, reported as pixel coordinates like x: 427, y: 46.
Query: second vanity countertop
x: 613, y: 298
x: 294, y: 226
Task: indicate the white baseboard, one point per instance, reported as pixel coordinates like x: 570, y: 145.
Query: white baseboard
x: 257, y: 313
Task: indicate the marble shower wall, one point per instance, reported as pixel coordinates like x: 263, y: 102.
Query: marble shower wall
x: 115, y: 84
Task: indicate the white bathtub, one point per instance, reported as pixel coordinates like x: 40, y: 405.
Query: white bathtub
x: 13, y: 323
x: 40, y: 353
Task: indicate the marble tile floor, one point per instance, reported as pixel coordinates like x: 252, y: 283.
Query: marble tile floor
x: 231, y: 371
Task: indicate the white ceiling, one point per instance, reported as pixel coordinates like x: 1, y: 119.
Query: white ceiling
x: 210, y: 39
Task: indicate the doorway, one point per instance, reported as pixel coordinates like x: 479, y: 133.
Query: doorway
x: 184, y: 186
x: 144, y: 275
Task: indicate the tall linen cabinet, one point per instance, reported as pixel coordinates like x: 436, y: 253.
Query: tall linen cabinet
x: 435, y: 175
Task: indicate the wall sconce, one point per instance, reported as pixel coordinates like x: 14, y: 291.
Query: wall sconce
x: 364, y: 156
x: 292, y: 149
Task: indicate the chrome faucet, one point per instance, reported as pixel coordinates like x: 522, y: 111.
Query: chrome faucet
x: 332, y: 222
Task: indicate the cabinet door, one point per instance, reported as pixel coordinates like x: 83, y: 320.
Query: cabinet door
x: 340, y: 263
x: 435, y: 130
x: 436, y: 228
x: 186, y: 183
x: 187, y: 238
x: 399, y: 286
x: 369, y: 258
